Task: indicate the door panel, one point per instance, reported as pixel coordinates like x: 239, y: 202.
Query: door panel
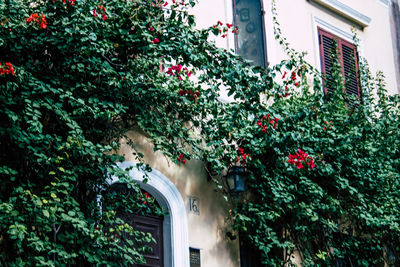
x: 152, y: 225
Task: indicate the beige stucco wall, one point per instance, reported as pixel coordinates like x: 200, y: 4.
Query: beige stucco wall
x: 206, y: 230
x: 298, y: 23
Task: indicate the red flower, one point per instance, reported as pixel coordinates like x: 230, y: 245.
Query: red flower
x: 229, y: 25
x: 293, y: 75
x: 165, y: 4
x: 296, y: 84
x: 155, y: 41
x: 301, y: 158
x: 8, y: 70
x: 284, y: 75
x: 184, y: 161
x: 40, y: 20
x: 151, y: 28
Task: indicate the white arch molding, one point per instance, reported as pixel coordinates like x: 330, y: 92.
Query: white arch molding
x: 175, y: 228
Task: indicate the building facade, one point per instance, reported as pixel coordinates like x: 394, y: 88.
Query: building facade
x: 194, y: 232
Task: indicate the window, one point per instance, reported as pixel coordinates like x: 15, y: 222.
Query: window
x: 348, y: 58
x: 250, y: 42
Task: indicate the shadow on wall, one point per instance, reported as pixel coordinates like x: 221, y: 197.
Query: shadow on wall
x: 395, y: 25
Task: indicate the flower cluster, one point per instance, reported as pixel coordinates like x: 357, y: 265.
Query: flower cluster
x: 329, y: 125
x: 294, y: 78
x: 180, y: 159
x: 301, y: 159
x: 194, y: 94
x: 177, y: 70
x: 39, y: 19
x: 290, y: 81
x: 242, y: 156
x: 7, y: 68
x: 268, y: 121
x: 286, y: 91
x: 174, y: 3
x: 71, y: 2
x: 101, y: 11
x: 220, y: 28
x: 4, y: 23
x: 147, y: 198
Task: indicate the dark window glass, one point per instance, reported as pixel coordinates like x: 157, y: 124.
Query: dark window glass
x: 250, y: 42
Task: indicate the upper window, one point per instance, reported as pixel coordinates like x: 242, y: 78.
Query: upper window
x: 250, y: 42
x: 331, y: 45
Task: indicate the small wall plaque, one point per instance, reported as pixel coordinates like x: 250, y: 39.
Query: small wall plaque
x: 194, y: 257
x: 194, y: 205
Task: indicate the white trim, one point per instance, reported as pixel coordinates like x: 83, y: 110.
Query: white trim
x: 165, y: 192
x: 345, y: 11
x: 384, y: 2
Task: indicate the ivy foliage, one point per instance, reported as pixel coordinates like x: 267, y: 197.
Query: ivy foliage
x: 96, y: 69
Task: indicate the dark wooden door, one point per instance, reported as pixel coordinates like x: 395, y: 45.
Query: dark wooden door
x: 152, y: 225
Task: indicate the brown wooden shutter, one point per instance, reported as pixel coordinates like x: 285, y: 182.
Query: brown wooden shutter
x: 327, y: 48
x: 348, y: 60
x: 350, y: 68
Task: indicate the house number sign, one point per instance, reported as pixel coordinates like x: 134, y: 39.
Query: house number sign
x: 194, y: 205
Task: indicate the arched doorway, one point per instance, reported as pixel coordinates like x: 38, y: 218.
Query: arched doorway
x: 174, y: 225
x: 141, y: 220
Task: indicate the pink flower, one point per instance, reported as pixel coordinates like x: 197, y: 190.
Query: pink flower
x: 155, y: 41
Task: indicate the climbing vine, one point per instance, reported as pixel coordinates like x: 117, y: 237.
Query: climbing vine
x: 75, y: 76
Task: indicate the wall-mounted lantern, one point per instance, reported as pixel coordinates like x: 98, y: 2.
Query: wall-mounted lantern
x: 235, y: 179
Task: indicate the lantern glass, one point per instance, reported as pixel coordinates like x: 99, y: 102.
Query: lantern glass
x: 235, y: 179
